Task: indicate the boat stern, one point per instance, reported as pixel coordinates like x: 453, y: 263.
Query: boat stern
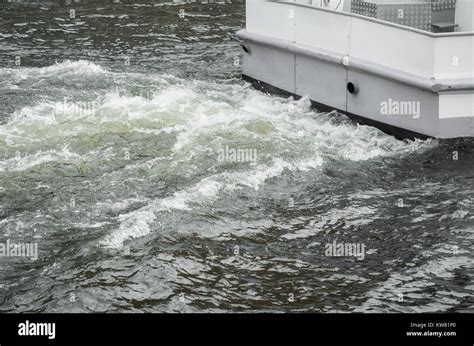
x: 456, y: 114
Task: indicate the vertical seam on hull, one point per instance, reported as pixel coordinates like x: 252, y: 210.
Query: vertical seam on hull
x: 294, y: 55
x: 347, y: 67
x: 294, y: 74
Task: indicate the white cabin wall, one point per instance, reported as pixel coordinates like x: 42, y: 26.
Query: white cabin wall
x: 405, y: 50
x: 465, y: 15
x: 271, y: 19
x: 322, y: 29
x: 454, y: 57
x: 392, y: 47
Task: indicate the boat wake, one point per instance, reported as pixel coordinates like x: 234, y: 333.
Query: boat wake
x: 131, y: 158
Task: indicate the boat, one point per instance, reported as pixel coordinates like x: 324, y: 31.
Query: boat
x: 404, y: 66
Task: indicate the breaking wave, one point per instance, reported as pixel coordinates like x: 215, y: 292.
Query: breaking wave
x: 193, y: 121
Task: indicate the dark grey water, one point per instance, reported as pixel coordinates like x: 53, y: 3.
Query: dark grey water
x: 112, y: 126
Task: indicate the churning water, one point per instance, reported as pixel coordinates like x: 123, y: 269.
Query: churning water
x: 152, y: 179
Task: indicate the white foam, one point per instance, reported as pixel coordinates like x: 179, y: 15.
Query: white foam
x: 67, y: 66
x: 204, y: 192
x: 24, y: 162
x: 132, y: 225
x: 138, y: 223
x: 287, y: 134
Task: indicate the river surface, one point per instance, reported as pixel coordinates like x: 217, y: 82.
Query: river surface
x: 152, y: 179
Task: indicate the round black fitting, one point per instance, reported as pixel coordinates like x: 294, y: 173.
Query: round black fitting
x: 352, y: 88
x: 246, y: 48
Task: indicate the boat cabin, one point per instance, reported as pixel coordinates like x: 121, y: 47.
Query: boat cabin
x: 436, y: 16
